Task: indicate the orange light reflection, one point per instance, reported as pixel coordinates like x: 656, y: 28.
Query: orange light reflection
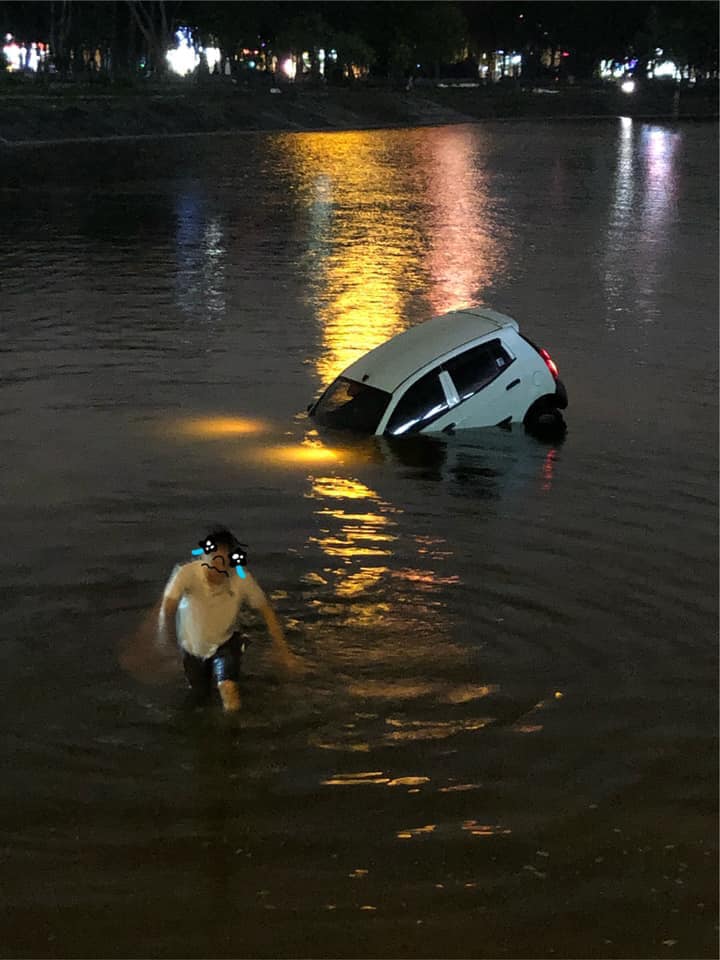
x: 396, y: 220
x: 358, y: 243
x: 208, y: 428
x: 360, y: 535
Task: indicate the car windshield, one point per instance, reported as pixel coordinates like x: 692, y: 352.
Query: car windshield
x: 349, y: 405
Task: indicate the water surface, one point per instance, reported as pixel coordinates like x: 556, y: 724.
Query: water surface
x: 507, y: 746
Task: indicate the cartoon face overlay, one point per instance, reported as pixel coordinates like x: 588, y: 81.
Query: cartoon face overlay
x: 221, y: 559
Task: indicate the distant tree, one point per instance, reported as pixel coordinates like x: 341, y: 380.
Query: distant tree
x: 438, y: 33
x: 687, y: 33
x: 307, y: 33
x: 647, y: 40
x: 230, y: 26
x: 61, y: 16
x: 155, y: 19
x: 351, y: 50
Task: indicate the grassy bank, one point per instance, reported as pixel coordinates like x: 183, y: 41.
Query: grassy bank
x: 31, y: 112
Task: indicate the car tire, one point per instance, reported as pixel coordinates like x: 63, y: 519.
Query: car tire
x: 544, y: 421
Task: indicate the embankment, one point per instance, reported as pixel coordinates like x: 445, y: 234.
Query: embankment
x: 30, y: 112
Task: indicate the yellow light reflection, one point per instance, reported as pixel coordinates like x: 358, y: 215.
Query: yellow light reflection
x: 360, y: 535
x: 308, y: 452
x: 408, y: 781
x: 407, y: 730
x: 473, y: 827
x: 358, y: 241
x: 344, y: 488
x: 424, y: 578
x: 476, y: 829
x: 355, y: 779
x: 416, y: 831
x: 398, y: 690
x: 390, y: 214
x: 208, y: 428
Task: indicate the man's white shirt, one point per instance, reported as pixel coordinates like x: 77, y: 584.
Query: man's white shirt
x: 207, y: 614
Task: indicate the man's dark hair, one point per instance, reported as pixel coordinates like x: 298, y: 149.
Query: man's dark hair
x: 221, y: 536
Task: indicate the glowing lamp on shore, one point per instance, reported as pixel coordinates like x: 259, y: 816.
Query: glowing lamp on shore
x: 183, y: 58
x: 12, y: 53
x: 665, y: 69
x: 628, y: 86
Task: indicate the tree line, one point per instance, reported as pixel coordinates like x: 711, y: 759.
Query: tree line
x: 388, y: 38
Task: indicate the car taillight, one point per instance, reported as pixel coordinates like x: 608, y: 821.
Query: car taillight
x: 550, y: 363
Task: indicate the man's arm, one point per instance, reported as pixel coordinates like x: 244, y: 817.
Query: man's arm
x: 149, y: 653
x: 280, y: 651
x: 166, y: 629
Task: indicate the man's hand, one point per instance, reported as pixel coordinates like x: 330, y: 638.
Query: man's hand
x: 287, y: 662
x: 146, y: 657
x: 283, y: 659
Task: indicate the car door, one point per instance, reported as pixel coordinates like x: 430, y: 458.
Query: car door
x: 421, y: 407
x: 484, y: 379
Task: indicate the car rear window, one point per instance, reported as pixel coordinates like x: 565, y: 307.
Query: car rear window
x: 477, y: 367
x: 350, y: 405
x: 423, y: 402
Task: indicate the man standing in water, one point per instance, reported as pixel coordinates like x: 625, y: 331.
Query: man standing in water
x: 200, y: 609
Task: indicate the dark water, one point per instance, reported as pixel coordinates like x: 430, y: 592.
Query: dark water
x: 508, y: 744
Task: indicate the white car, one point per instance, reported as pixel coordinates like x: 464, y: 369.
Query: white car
x: 463, y: 369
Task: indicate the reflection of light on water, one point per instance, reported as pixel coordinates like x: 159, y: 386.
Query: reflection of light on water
x: 299, y: 454
x: 484, y: 829
x: 406, y: 730
x: 636, y: 237
x: 358, y: 244
x: 399, y: 733
x: 209, y: 427
x: 472, y: 827
x: 548, y: 469
x: 528, y: 722
x: 398, y: 690
x: 424, y: 578
x: 341, y: 487
x: 621, y: 235
x: 200, y: 255
x: 361, y: 535
x: 374, y: 777
x: 459, y: 788
x: 356, y: 779
x: 377, y: 778
x: 367, y: 254
x: 416, y: 831
x: 361, y: 538
x: 465, y: 252
x: 659, y: 147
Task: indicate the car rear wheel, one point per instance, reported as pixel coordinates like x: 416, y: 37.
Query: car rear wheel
x: 544, y: 421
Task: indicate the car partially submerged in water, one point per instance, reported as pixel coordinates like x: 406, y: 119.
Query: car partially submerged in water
x: 463, y: 369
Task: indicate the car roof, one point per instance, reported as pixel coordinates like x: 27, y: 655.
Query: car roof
x: 388, y: 365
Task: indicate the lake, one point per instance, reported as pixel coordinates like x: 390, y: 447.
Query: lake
x: 507, y: 745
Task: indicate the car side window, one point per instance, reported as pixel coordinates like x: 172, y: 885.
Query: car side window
x: 423, y: 402
x: 477, y: 367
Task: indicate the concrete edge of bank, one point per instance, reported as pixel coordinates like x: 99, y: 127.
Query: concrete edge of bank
x: 295, y: 128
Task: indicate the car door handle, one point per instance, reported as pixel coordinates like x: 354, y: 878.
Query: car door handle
x: 513, y: 384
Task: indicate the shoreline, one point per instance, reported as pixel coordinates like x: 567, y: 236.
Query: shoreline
x: 42, y: 118
x: 146, y: 137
